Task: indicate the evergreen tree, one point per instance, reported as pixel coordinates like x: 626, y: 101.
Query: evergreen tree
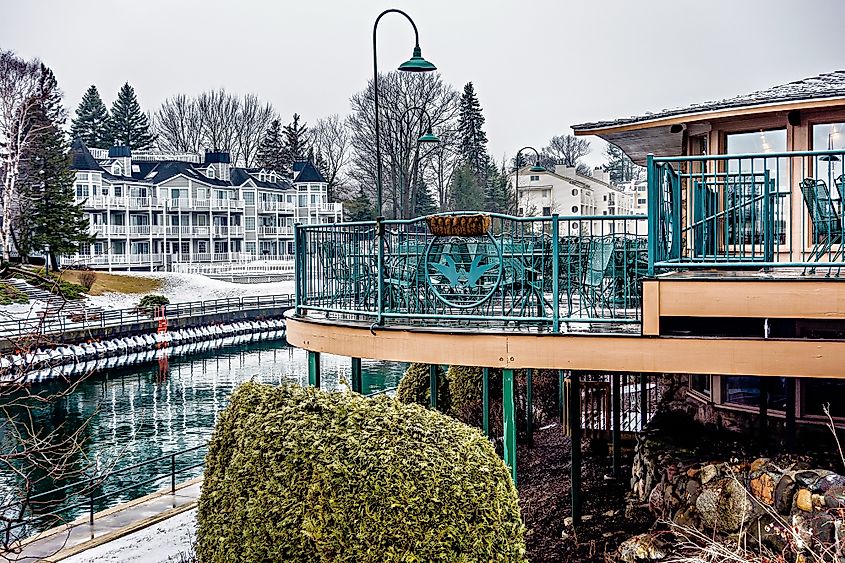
x: 48, y: 217
x: 621, y: 168
x: 295, y: 143
x: 269, y: 154
x: 496, y: 196
x: 91, y: 121
x: 127, y: 124
x: 425, y: 203
x: 473, y: 139
x: 359, y: 208
x: 467, y: 192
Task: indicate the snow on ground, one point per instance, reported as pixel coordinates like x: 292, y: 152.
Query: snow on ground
x: 158, y: 543
x: 181, y: 288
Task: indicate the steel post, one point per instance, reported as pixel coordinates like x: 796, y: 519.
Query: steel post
x: 357, y: 378
x: 509, y: 421
x: 314, y: 369
x: 575, y: 450
x: 485, y: 401
x: 432, y: 385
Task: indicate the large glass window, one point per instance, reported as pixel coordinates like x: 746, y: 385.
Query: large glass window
x: 249, y: 198
x: 744, y: 183
x: 700, y: 384
x: 816, y: 393
x: 746, y: 391
x: 249, y: 223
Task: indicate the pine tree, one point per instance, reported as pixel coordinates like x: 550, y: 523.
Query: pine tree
x: 48, y: 217
x: 269, y: 154
x: 467, y: 192
x: 496, y: 196
x: 359, y: 208
x: 473, y: 139
x: 127, y: 124
x: 425, y: 203
x: 295, y: 143
x: 91, y: 121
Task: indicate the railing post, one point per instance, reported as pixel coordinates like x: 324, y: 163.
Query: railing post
x: 485, y: 400
x: 509, y: 422
x: 298, y: 272
x: 173, y: 474
x: 357, y: 379
x: 652, y: 212
x: 380, y: 266
x: 432, y: 385
x: 314, y: 369
x: 555, y: 273
x: 644, y: 407
x: 91, y: 502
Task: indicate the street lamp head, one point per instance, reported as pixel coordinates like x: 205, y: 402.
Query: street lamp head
x: 537, y: 167
x: 429, y: 137
x: 416, y: 63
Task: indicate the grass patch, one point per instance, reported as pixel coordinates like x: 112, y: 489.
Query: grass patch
x: 115, y: 283
x: 9, y: 295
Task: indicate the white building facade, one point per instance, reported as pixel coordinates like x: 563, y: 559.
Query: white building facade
x: 151, y: 211
x: 567, y: 193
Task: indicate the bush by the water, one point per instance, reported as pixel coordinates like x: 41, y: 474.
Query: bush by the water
x: 415, y: 387
x: 300, y: 475
x: 152, y: 300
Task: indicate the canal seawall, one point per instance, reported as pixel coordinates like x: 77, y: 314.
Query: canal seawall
x: 75, y: 328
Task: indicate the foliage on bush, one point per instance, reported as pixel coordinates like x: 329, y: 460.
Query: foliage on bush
x: 152, y: 300
x: 300, y: 475
x: 10, y: 294
x: 87, y: 278
x: 465, y: 388
x: 52, y: 282
x: 415, y: 387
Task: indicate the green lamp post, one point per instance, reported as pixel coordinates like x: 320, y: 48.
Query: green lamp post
x: 536, y: 168
x: 426, y: 138
x: 415, y: 64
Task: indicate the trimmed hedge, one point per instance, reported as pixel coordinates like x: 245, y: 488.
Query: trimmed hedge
x: 300, y: 475
x: 151, y: 300
x: 415, y: 387
x: 465, y: 389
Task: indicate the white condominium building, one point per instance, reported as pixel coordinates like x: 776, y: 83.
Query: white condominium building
x: 150, y: 210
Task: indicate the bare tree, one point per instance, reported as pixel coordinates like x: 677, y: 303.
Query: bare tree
x: 444, y: 162
x: 401, y: 125
x: 214, y: 120
x: 18, y: 100
x: 331, y: 147
x: 566, y: 150
x: 252, y: 120
x: 177, y: 125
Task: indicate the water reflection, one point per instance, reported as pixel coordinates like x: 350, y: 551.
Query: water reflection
x: 169, y: 404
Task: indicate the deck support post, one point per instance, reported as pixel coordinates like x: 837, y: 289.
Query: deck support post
x: 643, y: 401
x: 616, y: 413
x: 432, y: 385
x: 561, y: 396
x: 574, y: 408
x: 790, y: 414
x: 357, y: 378
x: 764, y: 410
x: 485, y: 401
x: 529, y: 406
x: 314, y: 369
x: 509, y: 422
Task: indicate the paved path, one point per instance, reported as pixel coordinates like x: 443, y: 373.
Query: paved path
x: 63, y: 541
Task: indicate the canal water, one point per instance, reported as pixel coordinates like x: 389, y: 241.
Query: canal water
x: 157, y: 408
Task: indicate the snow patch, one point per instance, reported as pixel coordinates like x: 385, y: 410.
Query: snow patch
x: 158, y: 543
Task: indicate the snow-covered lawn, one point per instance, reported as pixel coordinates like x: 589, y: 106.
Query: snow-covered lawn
x: 181, y: 288
x: 158, y: 543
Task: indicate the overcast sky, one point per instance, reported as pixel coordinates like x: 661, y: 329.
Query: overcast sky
x: 538, y: 65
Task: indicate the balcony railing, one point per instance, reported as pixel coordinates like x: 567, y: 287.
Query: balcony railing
x: 274, y: 206
x: 556, y: 274
x: 274, y: 230
x: 768, y: 210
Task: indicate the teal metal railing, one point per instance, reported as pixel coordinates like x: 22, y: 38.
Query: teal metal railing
x: 554, y: 274
x: 768, y: 210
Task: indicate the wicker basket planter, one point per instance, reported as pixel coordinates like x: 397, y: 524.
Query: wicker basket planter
x: 458, y: 225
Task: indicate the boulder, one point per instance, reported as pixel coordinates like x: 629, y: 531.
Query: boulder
x: 644, y: 547
x: 724, y: 505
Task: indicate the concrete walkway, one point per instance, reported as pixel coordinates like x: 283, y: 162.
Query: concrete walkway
x: 63, y: 541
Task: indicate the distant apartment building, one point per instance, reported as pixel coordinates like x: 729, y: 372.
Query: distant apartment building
x: 567, y: 193
x: 150, y: 210
x: 638, y: 192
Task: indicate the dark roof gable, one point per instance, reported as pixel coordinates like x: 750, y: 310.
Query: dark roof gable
x: 828, y: 85
x: 308, y: 173
x: 81, y: 158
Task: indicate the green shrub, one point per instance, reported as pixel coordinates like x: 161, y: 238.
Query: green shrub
x: 465, y: 388
x: 415, y: 387
x: 10, y: 294
x: 152, y: 300
x: 53, y: 283
x: 300, y: 475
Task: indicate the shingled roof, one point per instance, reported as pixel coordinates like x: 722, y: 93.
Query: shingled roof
x: 828, y: 85
x: 307, y: 173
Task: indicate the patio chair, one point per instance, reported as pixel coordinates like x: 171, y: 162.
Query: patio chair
x: 827, y: 225
x: 347, y: 273
x: 596, y: 286
x: 520, y: 280
x: 704, y: 217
